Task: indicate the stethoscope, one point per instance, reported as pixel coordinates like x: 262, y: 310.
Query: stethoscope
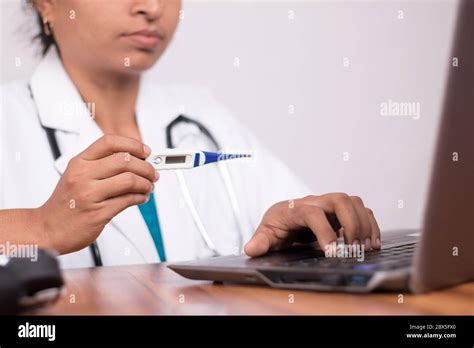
x: 226, y: 180
x: 222, y: 167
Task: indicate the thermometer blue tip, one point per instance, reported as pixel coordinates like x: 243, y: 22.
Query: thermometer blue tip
x: 212, y: 157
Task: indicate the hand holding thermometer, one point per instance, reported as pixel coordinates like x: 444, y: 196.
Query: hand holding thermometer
x: 182, y: 159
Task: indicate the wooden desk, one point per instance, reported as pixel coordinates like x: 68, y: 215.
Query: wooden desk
x: 154, y: 289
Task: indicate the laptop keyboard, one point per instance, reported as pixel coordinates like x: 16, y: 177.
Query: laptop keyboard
x: 386, y: 259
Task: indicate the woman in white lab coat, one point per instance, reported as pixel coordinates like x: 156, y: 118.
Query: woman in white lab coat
x: 93, y: 198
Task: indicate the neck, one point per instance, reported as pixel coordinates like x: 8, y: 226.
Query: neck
x: 114, y: 97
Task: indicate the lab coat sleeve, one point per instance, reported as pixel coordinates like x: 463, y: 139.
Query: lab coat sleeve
x: 261, y: 181
x: 272, y: 181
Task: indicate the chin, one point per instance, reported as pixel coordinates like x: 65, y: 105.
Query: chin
x: 143, y: 60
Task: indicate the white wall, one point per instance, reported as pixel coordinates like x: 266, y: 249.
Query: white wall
x: 299, y: 62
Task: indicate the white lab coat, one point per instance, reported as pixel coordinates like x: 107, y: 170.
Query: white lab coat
x: 29, y: 174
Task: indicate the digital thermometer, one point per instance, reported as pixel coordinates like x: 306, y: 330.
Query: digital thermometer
x: 182, y: 159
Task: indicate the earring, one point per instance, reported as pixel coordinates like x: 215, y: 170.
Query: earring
x: 47, y: 27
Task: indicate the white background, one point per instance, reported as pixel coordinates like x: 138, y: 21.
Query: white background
x: 299, y: 62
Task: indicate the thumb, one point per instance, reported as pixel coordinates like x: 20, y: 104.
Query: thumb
x: 258, y: 245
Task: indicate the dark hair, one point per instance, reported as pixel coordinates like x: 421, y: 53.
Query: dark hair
x: 45, y: 40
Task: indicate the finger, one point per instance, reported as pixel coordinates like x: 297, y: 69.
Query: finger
x: 261, y: 242
x: 109, y: 144
x: 315, y: 218
x: 375, y: 238
x: 301, y: 216
x: 114, y: 206
x: 342, y: 206
x: 365, y: 226
x: 122, y: 184
x: 122, y: 162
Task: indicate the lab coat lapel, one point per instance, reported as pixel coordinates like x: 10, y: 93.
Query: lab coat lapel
x: 157, y: 107
x: 60, y: 107
x: 152, y: 117
x: 58, y: 103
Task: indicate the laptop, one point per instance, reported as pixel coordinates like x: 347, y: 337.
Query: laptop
x: 439, y: 255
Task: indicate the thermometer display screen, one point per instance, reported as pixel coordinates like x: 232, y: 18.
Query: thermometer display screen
x: 175, y: 159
